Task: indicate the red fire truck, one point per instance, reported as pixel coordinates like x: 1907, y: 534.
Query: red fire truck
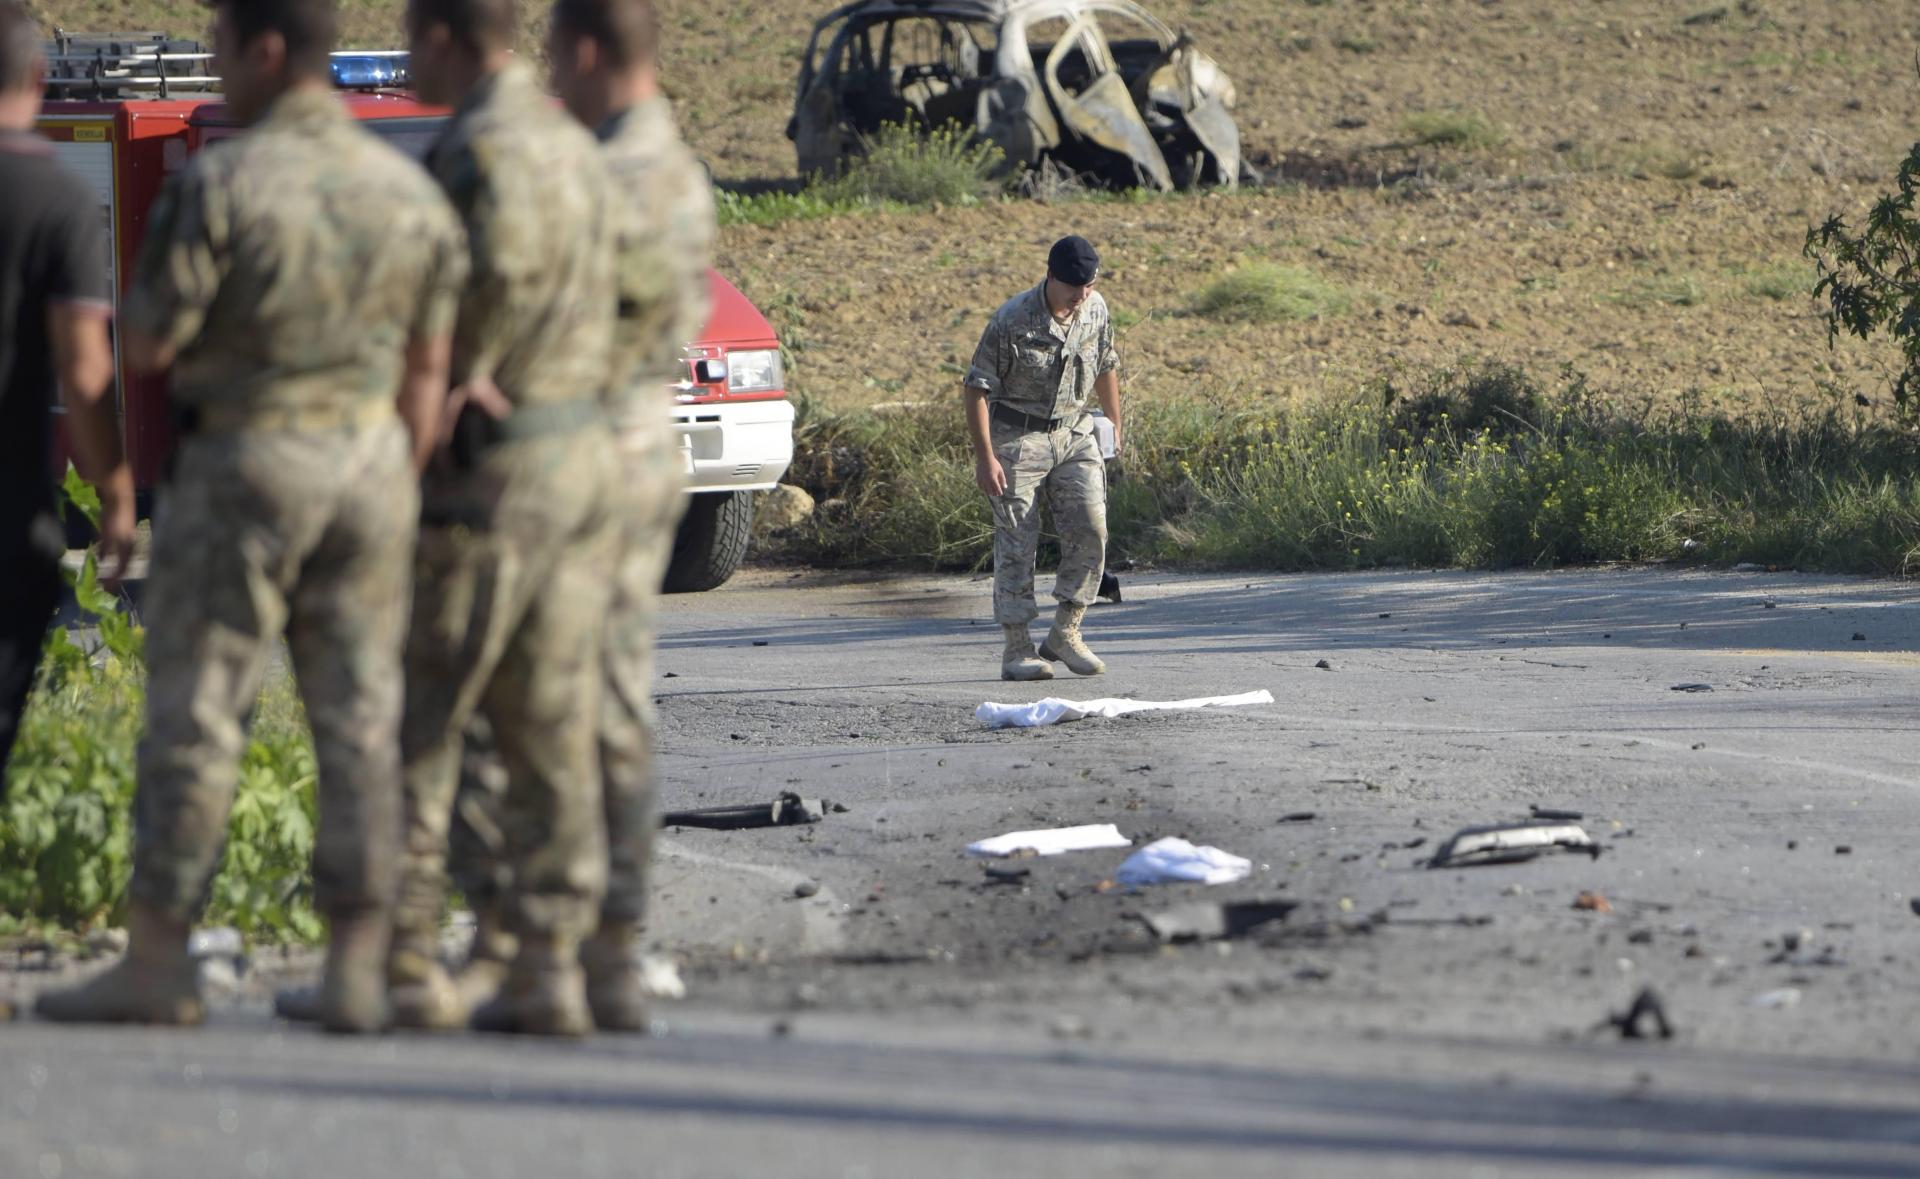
x: 127, y: 110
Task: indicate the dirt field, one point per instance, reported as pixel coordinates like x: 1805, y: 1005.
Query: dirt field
x: 1641, y: 219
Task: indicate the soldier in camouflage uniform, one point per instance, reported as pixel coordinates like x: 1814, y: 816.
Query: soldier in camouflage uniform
x: 1047, y: 353
x: 518, y: 536
x: 604, y: 55
x: 302, y: 281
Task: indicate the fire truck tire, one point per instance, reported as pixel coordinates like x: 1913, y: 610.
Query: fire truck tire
x: 712, y: 541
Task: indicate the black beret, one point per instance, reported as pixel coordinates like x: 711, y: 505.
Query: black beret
x: 1073, y: 261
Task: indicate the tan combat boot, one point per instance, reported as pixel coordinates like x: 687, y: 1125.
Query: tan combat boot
x: 487, y: 962
x: 1018, y: 661
x: 1064, y: 644
x: 545, y: 993
x: 422, y: 997
x: 156, y: 982
x: 614, y: 993
x: 352, y: 995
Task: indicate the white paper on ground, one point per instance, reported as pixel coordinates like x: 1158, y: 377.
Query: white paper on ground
x: 1053, y: 710
x: 1170, y: 861
x: 1051, y: 842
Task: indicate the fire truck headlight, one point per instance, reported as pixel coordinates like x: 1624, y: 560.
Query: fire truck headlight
x: 754, y: 372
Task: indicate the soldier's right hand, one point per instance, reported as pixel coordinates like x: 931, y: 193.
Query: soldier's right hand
x: 988, y: 474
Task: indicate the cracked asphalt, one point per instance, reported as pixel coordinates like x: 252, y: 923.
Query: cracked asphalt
x: 912, y: 1017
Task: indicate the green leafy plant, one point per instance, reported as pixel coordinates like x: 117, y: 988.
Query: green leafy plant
x: 1870, y: 277
x: 66, y: 837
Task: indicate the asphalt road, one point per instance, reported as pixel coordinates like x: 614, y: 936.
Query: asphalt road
x: 914, y: 1018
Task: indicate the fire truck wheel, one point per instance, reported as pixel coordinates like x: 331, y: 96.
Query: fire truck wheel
x: 712, y: 541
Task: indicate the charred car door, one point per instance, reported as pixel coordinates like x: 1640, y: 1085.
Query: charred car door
x: 1094, y: 104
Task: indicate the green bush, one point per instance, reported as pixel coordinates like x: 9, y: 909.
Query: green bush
x: 1454, y: 128
x: 1870, y: 277
x: 1475, y: 465
x: 66, y: 832
x: 1262, y: 292
x: 906, y: 165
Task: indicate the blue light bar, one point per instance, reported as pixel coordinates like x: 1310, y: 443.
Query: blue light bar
x: 354, y: 71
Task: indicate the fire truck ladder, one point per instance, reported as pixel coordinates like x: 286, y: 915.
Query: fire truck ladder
x: 103, y: 66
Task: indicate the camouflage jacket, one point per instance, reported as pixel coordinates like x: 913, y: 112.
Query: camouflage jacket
x: 1030, y: 362
x: 291, y: 264
x: 537, y: 313
x: 666, y: 244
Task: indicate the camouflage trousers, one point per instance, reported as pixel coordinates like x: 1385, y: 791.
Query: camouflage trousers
x: 650, y: 501
x: 1066, y: 466
x: 512, y: 589
x: 308, y: 533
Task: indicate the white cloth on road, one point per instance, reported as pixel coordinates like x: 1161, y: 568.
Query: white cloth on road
x: 1053, y: 710
x: 1051, y: 842
x: 1171, y: 861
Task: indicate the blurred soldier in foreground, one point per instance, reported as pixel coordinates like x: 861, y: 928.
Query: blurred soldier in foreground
x: 604, y: 56
x: 1047, y: 353
x: 54, y: 308
x: 301, y: 282
x: 518, y: 538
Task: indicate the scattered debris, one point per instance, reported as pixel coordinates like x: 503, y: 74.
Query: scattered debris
x: 1646, y: 1005
x: 1557, y: 815
x: 1858, y: 637
x: 1323, y: 665
x: 1171, y: 860
x: 1053, y: 710
x: 1109, y: 587
x: 1691, y: 688
x: 806, y: 888
x: 1593, y: 902
x: 1298, y: 817
x: 788, y: 810
x: 660, y: 977
x: 759, y: 642
x: 1510, y: 843
x: 1845, y: 849
x: 1914, y: 904
x: 1776, y: 1000
x: 1205, y: 921
x: 1050, y: 842
x: 1007, y: 874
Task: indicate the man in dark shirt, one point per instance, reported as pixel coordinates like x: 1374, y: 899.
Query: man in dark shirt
x: 54, y: 309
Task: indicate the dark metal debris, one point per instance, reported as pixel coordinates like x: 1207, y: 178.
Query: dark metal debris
x: 1691, y: 688
x: 1646, y: 1006
x: 1510, y: 843
x: 1547, y: 812
x: 1209, y: 921
x: 1298, y: 817
x: 1006, y: 874
x: 788, y: 810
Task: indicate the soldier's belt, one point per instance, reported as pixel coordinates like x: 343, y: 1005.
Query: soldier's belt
x: 233, y: 418
x: 1027, y: 421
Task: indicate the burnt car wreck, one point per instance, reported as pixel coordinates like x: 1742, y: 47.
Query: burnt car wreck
x: 1099, y: 88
